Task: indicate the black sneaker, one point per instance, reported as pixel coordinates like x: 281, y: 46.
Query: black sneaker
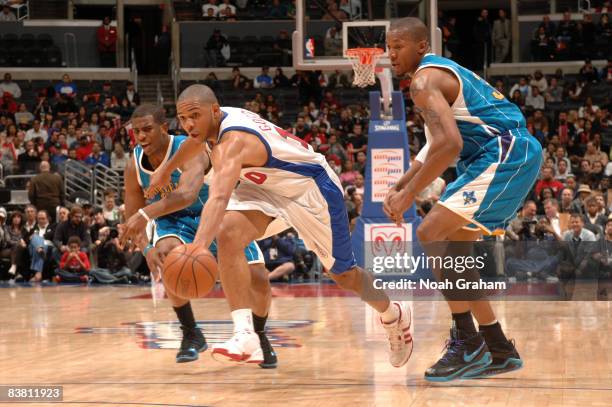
x: 270, y: 360
x: 192, y: 344
x: 505, y: 359
x: 464, y: 353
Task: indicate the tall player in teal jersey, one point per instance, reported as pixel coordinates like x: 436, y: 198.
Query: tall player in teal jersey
x: 498, y: 164
x: 175, y: 213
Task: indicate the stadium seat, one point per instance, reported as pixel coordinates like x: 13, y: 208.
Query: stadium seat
x: 27, y: 41
x: 44, y: 40
x: 5, y: 59
x: 10, y: 41
x: 53, y: 56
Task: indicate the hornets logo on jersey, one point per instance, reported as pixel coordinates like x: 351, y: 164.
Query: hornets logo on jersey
x: 144, y: 176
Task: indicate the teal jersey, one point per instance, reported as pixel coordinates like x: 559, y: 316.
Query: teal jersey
x: 481, y: 112
x: 144, y: 171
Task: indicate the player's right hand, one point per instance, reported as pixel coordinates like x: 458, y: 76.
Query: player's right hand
x: 158, y: 180
x: 155, y: 263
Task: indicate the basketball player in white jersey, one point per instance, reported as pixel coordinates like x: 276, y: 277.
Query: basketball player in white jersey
x: 282, y: 183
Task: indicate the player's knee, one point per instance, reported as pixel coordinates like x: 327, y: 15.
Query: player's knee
x: 230, y: 236
x: 259, y: 277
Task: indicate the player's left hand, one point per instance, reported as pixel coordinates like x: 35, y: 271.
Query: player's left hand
x: 399, y: 203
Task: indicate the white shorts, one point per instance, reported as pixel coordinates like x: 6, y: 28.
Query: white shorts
x: 319, y: 217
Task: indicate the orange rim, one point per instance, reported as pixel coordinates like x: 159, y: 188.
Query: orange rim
x: 365, y: 55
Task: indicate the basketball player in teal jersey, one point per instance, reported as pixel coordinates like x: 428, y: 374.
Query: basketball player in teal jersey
x: 498, y: 164
x: 175, y: 213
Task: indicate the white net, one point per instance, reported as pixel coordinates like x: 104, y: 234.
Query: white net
x: 364, y: 65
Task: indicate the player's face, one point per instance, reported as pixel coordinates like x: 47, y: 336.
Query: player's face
x: 149, y: 135
x: 200, y: 121
x: 404, y: 53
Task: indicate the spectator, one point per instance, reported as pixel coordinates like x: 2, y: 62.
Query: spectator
x: 277, y: 10
x: 535, y: 100
x: 502, y: 34
x: 566, y: 204
x: 522, y: 86
x: 131, y: 95
x: 263, y: 80
x: 539, y: 80
x: 66, y: 87
x: 118, y: 158
x: 99, y: 223
x: 74, y: 226
x: 333, y: 41
x: 107, y: 43
x: 23, y: 117
x: 37, y: 132
x: 28, y: 160
x: 565, y: 33
x: 30, y: 218
x: 588, y: 110
x: 356, y: 141
x: 543, y: 46
x: 7, y: 15
x: 10, y: 87
x: 279, y: 252
x: 593, y: 215
x: 548, y: 26
x: 280, y: 80
x: 594, y: 154
x: 14, y: 244
x: 577, y: 232
x: 162, y: 47
x: 338, y: 80
x: 563, y: 171
x: 551, y: 213
x: 85, y: 147
x: 481, y: 35
x: 97, y: 156
x: 74, y: 264
x: 111, y: 210
x: 227, y: 10
x: 40, y: 244
x: 239, y: 81
x: 348, y: 174
x: 333, y: 14
x: 215, y: 47
x: 63, y: 214
x: 554, y: 93
x: 605, y: 74
x: 112, y: 261
x: 588, y: 73
x: 210, y: 9
x: 46, y: 190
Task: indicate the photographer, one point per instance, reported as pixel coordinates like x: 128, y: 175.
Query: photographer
x: 523, y: 227
x: 112, y: 260
x: 279, y: 252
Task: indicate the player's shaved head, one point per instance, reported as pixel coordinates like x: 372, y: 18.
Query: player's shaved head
x: 198, y: 93
x: 410, y: 27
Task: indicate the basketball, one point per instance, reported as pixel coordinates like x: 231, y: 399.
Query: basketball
x: 190, y: 271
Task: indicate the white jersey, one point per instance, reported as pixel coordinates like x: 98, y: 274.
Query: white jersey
x: 296, y: 187
x: 292, y: 167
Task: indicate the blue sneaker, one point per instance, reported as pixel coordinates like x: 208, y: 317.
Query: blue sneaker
x: 505, y: 359
x: 465, y: 354
x: 192, y: 345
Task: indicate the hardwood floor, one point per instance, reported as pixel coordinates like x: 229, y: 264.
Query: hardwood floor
x: 110, y: 346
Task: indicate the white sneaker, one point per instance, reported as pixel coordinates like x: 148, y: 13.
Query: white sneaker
x: 243, y: 347
x: 400, y: 336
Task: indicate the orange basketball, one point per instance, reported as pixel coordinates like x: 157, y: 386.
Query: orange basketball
x: 190, y: 271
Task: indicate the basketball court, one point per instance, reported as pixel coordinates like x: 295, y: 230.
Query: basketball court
x: 111, y: 346
x: 115, y: 346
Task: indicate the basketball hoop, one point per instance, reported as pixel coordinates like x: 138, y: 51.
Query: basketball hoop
x: 364, y: 63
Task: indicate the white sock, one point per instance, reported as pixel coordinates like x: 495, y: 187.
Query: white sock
x: 391, y: 314
x: 243, y: 320
x: 13, y: 269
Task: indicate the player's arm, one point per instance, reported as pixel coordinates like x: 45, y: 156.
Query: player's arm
x: 445, y: 143
x: 134, y: 200
x: 190, y: 149
x: 227, y: 158
x: 187, y: 191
